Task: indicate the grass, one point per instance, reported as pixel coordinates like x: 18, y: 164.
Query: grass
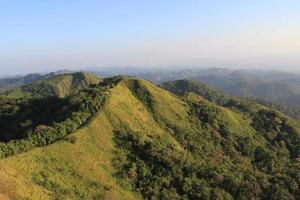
x: 69, y: 83
x: 67, y: 170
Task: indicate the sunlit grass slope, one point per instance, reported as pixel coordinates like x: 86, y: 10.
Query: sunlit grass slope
x: 80, y: 166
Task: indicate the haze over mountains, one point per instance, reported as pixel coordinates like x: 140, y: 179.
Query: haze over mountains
x: 282, y: 88
x: 127, y: 138
x: 268, y: 85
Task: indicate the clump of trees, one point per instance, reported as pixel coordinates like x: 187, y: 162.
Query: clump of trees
x: 278, y: 131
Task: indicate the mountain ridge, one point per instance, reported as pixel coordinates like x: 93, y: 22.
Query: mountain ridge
x: 11, y: 82
x: 145, y: 142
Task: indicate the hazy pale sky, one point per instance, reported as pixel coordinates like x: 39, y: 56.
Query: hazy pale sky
x: 48, y: 35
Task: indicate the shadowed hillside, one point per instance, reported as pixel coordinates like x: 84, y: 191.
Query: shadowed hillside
x: 17, y: 81
x: 181, y: 87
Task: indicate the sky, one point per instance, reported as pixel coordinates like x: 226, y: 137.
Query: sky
x: 48, y: 35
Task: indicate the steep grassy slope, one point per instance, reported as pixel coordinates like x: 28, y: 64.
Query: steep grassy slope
x: 148, y: 143
x: 58, y: 85
x: 80, y: 166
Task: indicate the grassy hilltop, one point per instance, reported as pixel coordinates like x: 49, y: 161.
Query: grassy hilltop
x: 57, y: 85
x: 126, y: 138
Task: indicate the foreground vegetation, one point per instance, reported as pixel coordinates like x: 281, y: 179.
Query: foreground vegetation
x: 138, y: 141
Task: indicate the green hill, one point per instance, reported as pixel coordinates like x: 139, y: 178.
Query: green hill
x: 9, y: 83
x: 126, y: 138
x: 59, y: 85
x: 182, y: 87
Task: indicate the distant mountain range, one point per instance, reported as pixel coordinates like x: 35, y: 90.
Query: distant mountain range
x: 276, y: 87
x: 273, y: 86
x: 280, y: 88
